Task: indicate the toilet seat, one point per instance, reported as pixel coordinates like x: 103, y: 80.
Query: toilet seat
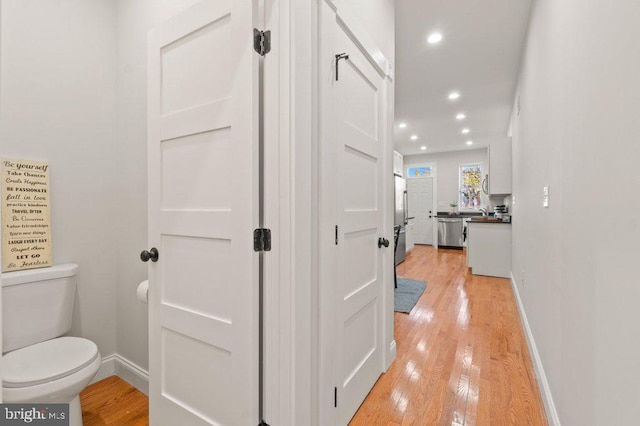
x: 47, y: 361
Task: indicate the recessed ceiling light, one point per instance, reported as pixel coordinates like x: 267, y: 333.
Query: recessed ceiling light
x: 465, y: 131
x: 402, y: 125
x: 460, y: 116
x: 469, y: 142
x: 434, y: 38
x: 454, y: 95
x: 414, y: 137
x: 423, y: 148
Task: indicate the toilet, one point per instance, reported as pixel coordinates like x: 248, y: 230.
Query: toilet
x: 39, y: 364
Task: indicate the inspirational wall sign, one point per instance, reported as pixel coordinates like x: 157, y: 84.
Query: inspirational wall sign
x: 26, y: 220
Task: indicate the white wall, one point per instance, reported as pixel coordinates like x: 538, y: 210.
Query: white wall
x: 57, y: 104
x: 447, y: 173
x: 575, y: 262
x: 74, y: 94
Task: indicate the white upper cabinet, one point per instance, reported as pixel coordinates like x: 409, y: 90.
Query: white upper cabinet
x: 500, y: 167
x: 397, y: 164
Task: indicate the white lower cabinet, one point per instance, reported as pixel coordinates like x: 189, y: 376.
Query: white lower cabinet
x: 489, y: 249
x: 411, y: 234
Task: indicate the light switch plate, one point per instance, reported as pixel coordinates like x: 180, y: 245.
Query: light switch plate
x: 545, y: 200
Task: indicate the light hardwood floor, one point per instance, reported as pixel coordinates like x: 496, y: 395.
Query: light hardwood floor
x: 462, y: 359
x: 113, y: 401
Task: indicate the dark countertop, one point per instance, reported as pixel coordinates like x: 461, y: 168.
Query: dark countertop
x: 494, y: 220
x: 464, y: 215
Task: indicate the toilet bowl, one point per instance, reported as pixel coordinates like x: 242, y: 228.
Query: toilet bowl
x: 40, y: 366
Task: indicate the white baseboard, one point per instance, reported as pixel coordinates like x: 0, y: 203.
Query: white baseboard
x: 108, y: 368
x: 126, y: 370
x: 133, y: 374
x: 543, y: 383
x: 392, y: 355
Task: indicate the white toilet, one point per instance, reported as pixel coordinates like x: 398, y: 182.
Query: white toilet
x: 38, y: 365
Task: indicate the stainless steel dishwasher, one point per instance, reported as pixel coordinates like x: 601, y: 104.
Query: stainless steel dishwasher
x: 450, y: 232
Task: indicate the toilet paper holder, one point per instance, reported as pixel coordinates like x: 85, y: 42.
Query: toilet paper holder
x: 142, y: 291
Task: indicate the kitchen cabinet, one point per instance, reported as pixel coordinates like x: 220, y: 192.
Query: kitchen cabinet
x: 499, y: 174
x: 489, y: 249
x: 398, y: 165
x: 411, y: 234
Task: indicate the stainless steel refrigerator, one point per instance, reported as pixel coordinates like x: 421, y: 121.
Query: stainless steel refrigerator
x: 400, y: 217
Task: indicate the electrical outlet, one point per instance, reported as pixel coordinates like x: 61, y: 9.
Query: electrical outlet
x: 545, y: 194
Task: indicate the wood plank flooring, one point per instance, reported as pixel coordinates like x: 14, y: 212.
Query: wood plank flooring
x: 462, y: 358
x: 113, y: 401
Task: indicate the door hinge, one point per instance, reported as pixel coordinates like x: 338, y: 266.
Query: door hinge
x: 261, y: 41
x: 335, y: 397
x: 336, y: 234
x: 262, y: 240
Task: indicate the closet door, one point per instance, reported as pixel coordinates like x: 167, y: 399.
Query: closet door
x: 351, y: 177
x: 203, y: 208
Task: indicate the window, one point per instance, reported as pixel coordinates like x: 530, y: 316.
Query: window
x: 419, y: 171
x: 470, y: 186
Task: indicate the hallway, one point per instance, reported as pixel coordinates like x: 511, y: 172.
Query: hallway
x: 462, y: 357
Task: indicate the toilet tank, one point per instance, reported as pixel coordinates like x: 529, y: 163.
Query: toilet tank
x: 37, y: 305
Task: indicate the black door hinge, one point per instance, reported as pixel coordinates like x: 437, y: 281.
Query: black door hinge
x: 262, y: 240
x: 336, y: 234
x: 261, y: 41
x: 335, y: 397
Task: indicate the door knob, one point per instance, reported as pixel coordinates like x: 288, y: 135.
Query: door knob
x: 383, y: 242
x: 152, y: 255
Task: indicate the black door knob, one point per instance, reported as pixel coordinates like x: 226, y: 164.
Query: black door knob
x: 152, y: 255
x: 383, y: 242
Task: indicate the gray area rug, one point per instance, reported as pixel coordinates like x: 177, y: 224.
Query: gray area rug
x: 407, y: 294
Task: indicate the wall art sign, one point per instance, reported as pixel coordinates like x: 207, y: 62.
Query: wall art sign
x: 26, y: 222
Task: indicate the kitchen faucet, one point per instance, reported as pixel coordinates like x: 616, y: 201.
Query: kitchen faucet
x: 484, y: 211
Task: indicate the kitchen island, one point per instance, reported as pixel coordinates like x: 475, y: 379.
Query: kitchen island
x: 489, y: 247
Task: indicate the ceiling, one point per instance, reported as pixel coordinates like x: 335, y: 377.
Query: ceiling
x: 479, y: 57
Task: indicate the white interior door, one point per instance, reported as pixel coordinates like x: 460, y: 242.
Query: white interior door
x: 352, y: 151
x: 203, y: 207
x: 420, y: 193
